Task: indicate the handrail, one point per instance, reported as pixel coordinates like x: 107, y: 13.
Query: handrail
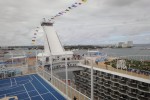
x: 59, y: 84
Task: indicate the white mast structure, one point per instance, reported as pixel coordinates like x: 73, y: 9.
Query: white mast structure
x: 53, y: 48
x: 52, y: 44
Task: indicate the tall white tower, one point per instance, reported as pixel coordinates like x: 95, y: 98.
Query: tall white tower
x: 52, y: 44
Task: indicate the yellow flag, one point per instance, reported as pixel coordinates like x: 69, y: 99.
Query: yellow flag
x: 84, y: 0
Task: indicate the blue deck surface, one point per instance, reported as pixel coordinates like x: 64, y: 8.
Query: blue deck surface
x: 29, y: 87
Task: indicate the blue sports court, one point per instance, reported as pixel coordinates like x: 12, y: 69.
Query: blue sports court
x: 29, y: 87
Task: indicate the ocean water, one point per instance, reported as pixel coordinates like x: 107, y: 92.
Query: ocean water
x: 126, y: 51
x: 136, y: 50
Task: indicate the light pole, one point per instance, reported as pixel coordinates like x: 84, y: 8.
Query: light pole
x: 12, y: 60
x: 66, y: 75
x: 36, y: 62
x: 43, y: 61
x: 51, y: 67
x: 91, y: 79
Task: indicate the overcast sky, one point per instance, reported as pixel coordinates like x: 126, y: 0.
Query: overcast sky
x: 95, y: 22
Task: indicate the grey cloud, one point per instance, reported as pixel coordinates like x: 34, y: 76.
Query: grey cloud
x: 120, y: 2
x: 93, y: 22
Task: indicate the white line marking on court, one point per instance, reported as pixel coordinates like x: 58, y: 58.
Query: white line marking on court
x: 15, y: 81
x: 27, y: 92
x: 10, y: 82
x: 4, y: 84
x: 13, y: 92
x: 4, y: 79
x: 36, y: 90
x: 46, y: 89
x: 35, y: 96
x: 11, y: 87
x: 31, y: 77
x: 41, y: 94
x: 18, y: 92
x: 8, y: 88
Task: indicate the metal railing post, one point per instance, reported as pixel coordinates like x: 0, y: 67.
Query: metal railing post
x: 66, y: 75
x: 12, y: 59
x: 36, y: 66
x: 51, y: 68
x: 92, y: 81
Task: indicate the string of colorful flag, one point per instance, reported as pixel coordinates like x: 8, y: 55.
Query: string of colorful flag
x: 35, y: 35
x: 74, y: 5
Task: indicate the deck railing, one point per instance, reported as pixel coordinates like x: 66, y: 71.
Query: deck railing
x: 101, y: 65
x: 71, y: 91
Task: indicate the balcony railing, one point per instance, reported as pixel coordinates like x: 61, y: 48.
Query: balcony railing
x: 144, y: 88
x: 106, y: 84
x: 142, y: 97
x: 106, y: 77
x: 113, y: 95
x: 132, y: 84
x: 122, y: 90
x: 122, y: 98
x: 114, y: 87
x: 114, y: 79
x: 122, y: 81
x: 131, y: 94
x: 110, y: 68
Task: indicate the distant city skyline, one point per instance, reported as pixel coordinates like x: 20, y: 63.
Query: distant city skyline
x: 95, y: 22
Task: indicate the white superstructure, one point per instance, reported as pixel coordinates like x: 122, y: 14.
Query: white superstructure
x: 52, y: 44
